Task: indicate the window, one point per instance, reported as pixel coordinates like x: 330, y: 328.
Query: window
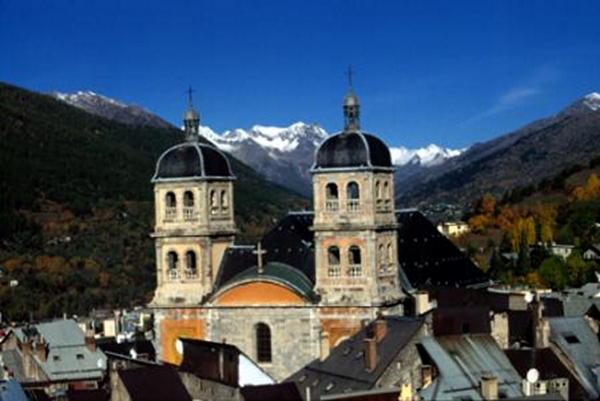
x: 170, y: 206
x: 377, y: 190
x: 353, y: 196
x: 354, y: 262
x: 386, y: 195
x: 172, y: 260
x: 224, y: 202
x: 334, y: 268
x: 190, y: 265
x: 214, y: 206
x: 263, y: 343
x: 331, y: 197
x: 188, y: 205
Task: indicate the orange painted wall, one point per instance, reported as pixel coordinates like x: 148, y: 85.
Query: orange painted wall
x: 259, y: 293
x: 171, y: 329
x: 340, y: 329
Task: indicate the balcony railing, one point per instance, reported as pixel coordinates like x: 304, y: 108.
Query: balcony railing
x: 353, y: 205
x: 355, y: 270
x: 332, y: 206
x: 170, y: 213
x: 173, y: 274
x: 334, y: 271
x: 191, y: 274
x: 189, y: 213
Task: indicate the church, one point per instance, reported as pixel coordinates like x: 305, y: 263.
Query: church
x: 314, y: 279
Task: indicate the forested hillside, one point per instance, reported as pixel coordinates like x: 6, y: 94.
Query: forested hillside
x: 76, y: 207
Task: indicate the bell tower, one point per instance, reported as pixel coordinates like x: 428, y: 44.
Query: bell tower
x: 355, y: 224
x: 194, y: 216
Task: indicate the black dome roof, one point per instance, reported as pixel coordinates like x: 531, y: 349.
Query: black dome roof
x: 192, y: 160
x: 353, y: 149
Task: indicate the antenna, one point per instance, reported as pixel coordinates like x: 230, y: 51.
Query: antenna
x: 189, y: 92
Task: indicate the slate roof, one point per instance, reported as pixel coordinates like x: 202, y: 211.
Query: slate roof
x: 68, y: 356
x: 192, y: 160
x: 574, y: 337
x: 352, y: 150
x: 429, y: 259
x: 272, y: 392
x: 426, y: 257
x: 462, y: 361
x: 139, y: 348
x: 156, y: 383
x: 344, y: 368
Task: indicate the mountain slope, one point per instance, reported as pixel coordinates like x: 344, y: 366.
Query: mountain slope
x: 112, y: 109
x: 531, y: 154
x: 76, y: 206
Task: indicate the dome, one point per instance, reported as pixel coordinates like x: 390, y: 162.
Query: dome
x: 192, y: 160
x: 351, y: 100
x: 353, y: 150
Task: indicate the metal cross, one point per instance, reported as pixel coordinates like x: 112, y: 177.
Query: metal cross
x: 349, y: 73
x: 189, y: 92
x: 259, y: 252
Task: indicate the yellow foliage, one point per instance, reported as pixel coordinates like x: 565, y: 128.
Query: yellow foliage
x: 479, y: 222
x: 12, y: 264
x: 487, y: 205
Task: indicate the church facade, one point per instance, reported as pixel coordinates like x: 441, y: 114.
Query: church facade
x: 307, y: 285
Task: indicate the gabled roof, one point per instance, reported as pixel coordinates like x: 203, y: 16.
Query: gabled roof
x: 426, y: 257
x: 68, y: 357
x: 344, y: 368
x: 462, y: 361
x: 430, y: 259
x: 154, y: 383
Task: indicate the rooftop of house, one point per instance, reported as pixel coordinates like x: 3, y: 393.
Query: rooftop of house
x: 345, y: 367
x: 160, y: 382
x: 462, y: 362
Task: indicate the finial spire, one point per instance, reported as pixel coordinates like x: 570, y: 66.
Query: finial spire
x: 349, y: 73
x: 191, y: 119
x: 351, y: 106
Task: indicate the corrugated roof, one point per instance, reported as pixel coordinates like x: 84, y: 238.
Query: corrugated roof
x: 462, y: 361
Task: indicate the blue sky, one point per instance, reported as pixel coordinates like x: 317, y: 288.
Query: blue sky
x: 445, y: 72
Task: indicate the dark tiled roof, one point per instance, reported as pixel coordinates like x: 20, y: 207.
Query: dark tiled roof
x: 210, y: 360
x: 344, y: 368
x: 192, y: 160
x: 155, y: 383
x: 352, y: 149
x: 429, y: 259
x: 274, y: 392
x: 549, y: 366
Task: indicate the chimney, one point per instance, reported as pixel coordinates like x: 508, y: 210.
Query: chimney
x: 40, y: 349
x: 426, y: 375
x: 380, y: 328
x: 324, y: 345
x: 542, y: 334
x: 489, y: 388
x: 370, y: 354
x: 421, y: 302
x: 90, y: 342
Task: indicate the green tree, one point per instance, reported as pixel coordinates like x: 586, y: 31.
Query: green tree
x: 554, y: 272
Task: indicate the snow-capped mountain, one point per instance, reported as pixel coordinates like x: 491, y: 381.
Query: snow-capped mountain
x: 112, y: 109
x: 285, y: 155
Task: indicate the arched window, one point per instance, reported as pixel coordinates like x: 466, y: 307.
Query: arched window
x: 263, y: 343
x: 191, y: 271
x: 353, y: 197
x: 387, y: 195
x: 334, y: 268
x: 214, y: 205
x: 188, y: 205
x: 172, y: 265
x: 331, y: 197
x: 170, y: 206
x: 354, y: 262
x: 224, y: 201
x: 377, y: 189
